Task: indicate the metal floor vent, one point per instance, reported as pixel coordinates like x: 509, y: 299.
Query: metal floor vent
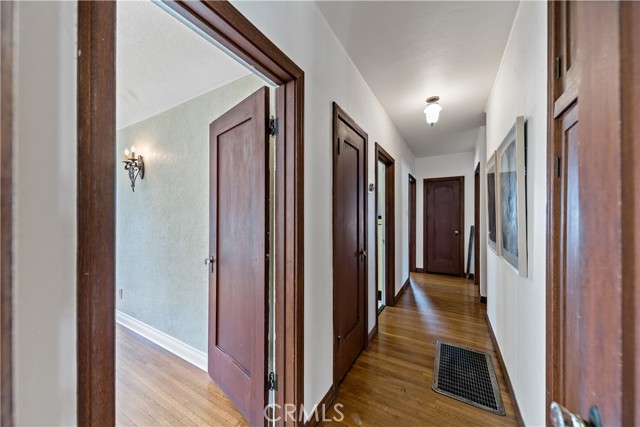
x: 468, y: 376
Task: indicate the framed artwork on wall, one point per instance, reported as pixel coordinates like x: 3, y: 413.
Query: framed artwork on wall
x: 512, y: 197
x: 492, y: 204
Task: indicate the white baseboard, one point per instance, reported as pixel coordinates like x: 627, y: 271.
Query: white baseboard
x: 184, y: 351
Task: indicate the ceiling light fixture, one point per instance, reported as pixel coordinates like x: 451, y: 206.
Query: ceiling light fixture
x: 433, y: 110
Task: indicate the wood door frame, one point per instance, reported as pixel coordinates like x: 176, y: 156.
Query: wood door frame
x: 381, y: 155
x: 6, y: 215
x: 425, y: 240
x: 413, y: 224
x: 96, y: 196
x: 618, y: 248
x: 476, y: 221
x: 340, y: 114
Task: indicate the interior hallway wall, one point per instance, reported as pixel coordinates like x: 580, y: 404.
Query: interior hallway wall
x: 516, y: 305
x: 162, y: 229
x: 480, y: 156
x: 439, y: 167
x: 45, y: 230
x: 300, y: 30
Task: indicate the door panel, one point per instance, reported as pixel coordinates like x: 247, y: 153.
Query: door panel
x: 239, y: 245
x: 349, y: 243
x: 444, y: 225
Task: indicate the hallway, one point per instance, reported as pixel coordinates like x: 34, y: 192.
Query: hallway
x: 390, y: 383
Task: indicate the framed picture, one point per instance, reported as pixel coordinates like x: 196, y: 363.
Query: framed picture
x: 492, y: 206
x: 512, y: 197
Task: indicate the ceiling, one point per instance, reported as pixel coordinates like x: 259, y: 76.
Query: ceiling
x: 162, y: 63
x: 410, y: 50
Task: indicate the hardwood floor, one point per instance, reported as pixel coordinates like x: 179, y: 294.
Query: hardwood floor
x: 156, y: 388
x: 390, y: 383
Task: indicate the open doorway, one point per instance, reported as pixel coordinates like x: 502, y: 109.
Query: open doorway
x: 385, y: 228
x: 197, y: 183
x: 224, y: 26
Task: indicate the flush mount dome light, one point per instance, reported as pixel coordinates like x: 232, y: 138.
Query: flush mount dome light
x: 433, y: 110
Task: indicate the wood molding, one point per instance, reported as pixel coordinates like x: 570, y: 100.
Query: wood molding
x: 320, y: 410
x: 413, y: 198
x: 516, y: 408
x: 483, y: 300
x: 420, y: 270
x: 390, y: 214
x: 6, y: 215
x: 96, y: 207
x: 173, y: 345
x: 405, y: 285
x: 96, y: 213
x: 373, y: 333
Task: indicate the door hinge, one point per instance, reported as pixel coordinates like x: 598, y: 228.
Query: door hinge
x: 558, y: 167
x: 272, y: 381
x: 273, y: 126
x: 558, y: 67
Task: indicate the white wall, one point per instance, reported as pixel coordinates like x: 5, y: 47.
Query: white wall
x: 439, y: 167
x: 480, y: 156
x: 45, y: 214
x: 300, y: 30
x: 516, y: 306
x: 162, y: 229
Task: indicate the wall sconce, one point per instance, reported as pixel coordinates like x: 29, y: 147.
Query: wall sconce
x: 433, y: 110
x: 133, y: 164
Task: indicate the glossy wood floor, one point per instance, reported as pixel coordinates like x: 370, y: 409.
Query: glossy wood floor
x: 156, y: 388
x: 390, y: 383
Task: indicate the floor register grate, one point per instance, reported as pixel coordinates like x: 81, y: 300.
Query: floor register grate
x: 468, y: 376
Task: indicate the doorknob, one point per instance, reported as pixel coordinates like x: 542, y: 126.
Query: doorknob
x: 456, y: 232
x: 363, y: 253
x: 210, y: 261
x: 562, y: 417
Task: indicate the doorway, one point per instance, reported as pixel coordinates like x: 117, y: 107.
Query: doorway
x: 350, y: 278
x: 225, y: 26
x: 412, y: 224
x: 444, y: 225
x: 385, y: 233
x: 476, y: 233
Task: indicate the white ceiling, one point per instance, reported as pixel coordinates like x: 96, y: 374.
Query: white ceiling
x: 162, y: 63
x: 410, y: 50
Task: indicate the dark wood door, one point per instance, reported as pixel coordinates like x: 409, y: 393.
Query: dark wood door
x: 412, y: 224
x: 349, y: 242
x: 444, y: 207
x: 476, y: 221
x: 592, y: 281
x: 238, y: 244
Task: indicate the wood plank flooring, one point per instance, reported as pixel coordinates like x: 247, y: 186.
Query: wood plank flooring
x: 390, y: 383
x: 156, y: 388
x: 388, y: 386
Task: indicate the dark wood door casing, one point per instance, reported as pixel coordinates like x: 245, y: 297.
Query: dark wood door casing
x: 239, y: 246
x: 443, y: 217
x: 412, y: 223
x: 477, y: 223
x: 350, y: 277
x: 96, y: 208
x: 381, y: 155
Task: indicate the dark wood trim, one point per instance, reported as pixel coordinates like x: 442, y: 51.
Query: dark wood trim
x: 405, y: 285
x: 426, y: 219
x: 420, y: 270
x: 477, y: 223
x: 390, y: 215
x: 496, y: 347
x: 96, y: 215
x: 6, y: 215
x: 483, y: 300
x: 340, y: 114
x: 96, y: 196
x: 374, y: 331
x: 319, y: 412
x: 413, y: 189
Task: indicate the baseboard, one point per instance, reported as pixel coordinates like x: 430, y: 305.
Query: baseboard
x: 372, y: 334
x: 184, y: 351
x: 516, y: 408
x: 320, y: 410
x: 402, y: 289
x: 419, y: 270
x: 483, y: 300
